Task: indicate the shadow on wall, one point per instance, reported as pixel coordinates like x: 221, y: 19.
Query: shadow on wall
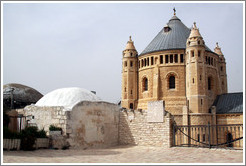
x: 125, y: 133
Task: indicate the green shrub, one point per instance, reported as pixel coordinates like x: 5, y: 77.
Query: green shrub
x: 54, y: 128
x: 28, y: 137
x: 41, y: 134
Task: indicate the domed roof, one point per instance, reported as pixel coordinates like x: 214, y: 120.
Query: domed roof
x: 22, y: 95
x: 173, y: 36
x: 67, y: 97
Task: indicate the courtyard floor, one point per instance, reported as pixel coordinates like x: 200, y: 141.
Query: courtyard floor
x: 126, y: 154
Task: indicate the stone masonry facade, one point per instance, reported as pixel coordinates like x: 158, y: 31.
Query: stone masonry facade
x: 134, y: 129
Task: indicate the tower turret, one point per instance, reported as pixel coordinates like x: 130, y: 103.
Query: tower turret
x: 221, y: 68
x: 129, y: 76
x: 195, y: 72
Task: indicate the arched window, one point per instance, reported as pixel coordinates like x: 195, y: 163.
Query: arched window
x: 209, y: 83
x: 171, y: 82
x: 145, y: 84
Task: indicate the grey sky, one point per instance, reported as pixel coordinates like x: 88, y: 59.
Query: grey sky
x: 48, y: 46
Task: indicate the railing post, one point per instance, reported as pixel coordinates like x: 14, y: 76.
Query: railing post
x: 209, y: 140
x: 173, y: 134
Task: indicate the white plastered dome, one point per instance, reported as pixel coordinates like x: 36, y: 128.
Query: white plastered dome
x: 67, y: 97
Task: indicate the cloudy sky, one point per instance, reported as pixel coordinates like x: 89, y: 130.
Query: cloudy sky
x: 55, y: 45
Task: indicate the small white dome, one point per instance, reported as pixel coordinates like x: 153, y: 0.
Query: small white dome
x: 67, y: 97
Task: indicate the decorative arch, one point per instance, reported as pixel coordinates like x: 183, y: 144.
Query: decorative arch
x: 172, y: 80
x: 145, y: 84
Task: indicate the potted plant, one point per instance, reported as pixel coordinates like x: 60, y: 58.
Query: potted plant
x: 11, y: 140
x: 42, y: 140
x: 54, y: 130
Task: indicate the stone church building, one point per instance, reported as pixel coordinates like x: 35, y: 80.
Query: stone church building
x: 178, y: 69
x: 176, y: 81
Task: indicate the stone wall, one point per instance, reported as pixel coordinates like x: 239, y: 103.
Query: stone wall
x: 43, y: 117
x: 93, y: 124
x: 88, y: 124
x: 134, y: 129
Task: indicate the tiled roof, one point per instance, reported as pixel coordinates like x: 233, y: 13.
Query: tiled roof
x: 174, y: 39
x: 229, y: 103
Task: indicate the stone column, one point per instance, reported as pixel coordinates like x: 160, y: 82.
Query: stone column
x: 213, y: 127
x: 156, y: 83
x: 186, y: 140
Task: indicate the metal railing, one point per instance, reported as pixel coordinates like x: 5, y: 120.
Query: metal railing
x: 210, y: 136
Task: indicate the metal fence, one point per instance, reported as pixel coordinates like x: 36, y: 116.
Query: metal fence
x: 210, y: 136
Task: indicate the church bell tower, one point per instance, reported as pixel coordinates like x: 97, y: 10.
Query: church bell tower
x: 195, y: 72
x: 129, y: 76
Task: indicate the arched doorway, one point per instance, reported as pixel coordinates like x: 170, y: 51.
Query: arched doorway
x: 229, y: 138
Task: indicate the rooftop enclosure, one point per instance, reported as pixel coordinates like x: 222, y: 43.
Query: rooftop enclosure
x: 87, y: 124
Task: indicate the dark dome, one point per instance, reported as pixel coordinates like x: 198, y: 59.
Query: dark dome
x: 22, y: 95
x: 173, y: 36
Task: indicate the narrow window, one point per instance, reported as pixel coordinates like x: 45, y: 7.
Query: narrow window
x: 131, y: 63
x: 142, y: 62
x: 209, y: 83
x: 181, y: 58
x: 131, y: 92
x: 199, y: 53
x: 192, y: 53
x: 147, y: 61
x: 131, y: 53
x: 203, y: 137
x: 125, y: 89
x: 200, y: 77
x: 152, y: 60
x: 201, y: 101
x: 166, y: 60
x: 176, y: 58
x: 145, y: 84
x: 131, y: 105
x: 221, y: 68
x: 209, y: 60
x: 193, y: 80
x: 161, y: 59
x: 171, y: 82
x: 198, y: 42
x: 171, y: 58
x: 198, y: 137
x: 125, y: 63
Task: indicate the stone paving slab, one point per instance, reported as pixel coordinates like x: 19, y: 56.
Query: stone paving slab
x: 126, y: 154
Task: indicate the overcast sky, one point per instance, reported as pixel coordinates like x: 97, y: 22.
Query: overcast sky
x: 49, y: 46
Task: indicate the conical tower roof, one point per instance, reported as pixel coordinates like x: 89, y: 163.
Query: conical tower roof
x: 130, y: 44
x: 171, y: 37
x: 217, y: 49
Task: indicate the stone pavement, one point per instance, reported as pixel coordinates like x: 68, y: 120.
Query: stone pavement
x: 126, y: 154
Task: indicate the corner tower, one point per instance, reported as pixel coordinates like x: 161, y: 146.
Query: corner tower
x: 222, y: 69
x: 196, y: 72
x: 129, y: 76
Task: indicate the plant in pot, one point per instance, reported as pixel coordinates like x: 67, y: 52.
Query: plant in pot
x: 42, y: 139
x: 54, y: 130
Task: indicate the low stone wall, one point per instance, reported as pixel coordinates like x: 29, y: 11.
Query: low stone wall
x: 134, y: 129
x: 93, y: 124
